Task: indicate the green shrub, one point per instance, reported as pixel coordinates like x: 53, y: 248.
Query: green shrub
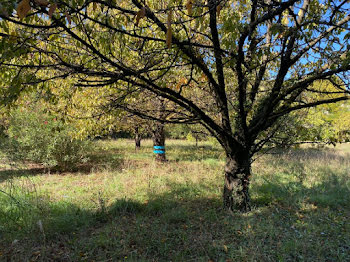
x: 190, y: 137
x: 41, y: 138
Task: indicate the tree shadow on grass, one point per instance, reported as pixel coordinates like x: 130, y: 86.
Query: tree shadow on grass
x: 332, y: 192
x: 96, y: 162
x: 183, y: 225
x: 310, y: 154
x: 13, y: 173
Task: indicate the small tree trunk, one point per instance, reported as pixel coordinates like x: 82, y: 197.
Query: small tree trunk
x: 137, y: 139
x: 159, y: 142
x: 158, y: 132
x: 237, y: 179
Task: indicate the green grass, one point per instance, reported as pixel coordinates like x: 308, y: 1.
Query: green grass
x: 124, y: 206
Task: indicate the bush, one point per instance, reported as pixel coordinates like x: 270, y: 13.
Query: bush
x: 41, y: 138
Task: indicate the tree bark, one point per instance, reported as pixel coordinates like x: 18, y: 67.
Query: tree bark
x: 237, y: 179
x: 137, y: 139
x: 159, y: 132
x: 159, y: 142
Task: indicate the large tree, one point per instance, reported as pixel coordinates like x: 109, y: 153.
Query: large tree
x: 236, y: 67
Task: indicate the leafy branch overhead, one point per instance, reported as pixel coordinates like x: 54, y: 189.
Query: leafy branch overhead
x: 236, y: 67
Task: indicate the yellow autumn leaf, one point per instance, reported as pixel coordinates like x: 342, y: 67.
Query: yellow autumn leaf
x: 140, y: 14
x: 52, y: 9
x: 13, y: 36
x: 169, y: 36
x: 300, y: 12
x: 285, y: 19
x: 23, y: 9
x: 218, y: 9
x: 68, y: 17
x: 42, y: 2
x: 169, y: 33
x: 189, y: 6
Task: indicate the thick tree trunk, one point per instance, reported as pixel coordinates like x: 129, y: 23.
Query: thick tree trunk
x: 159, y: 142
x: 237, y: 179
x: 137, y: 138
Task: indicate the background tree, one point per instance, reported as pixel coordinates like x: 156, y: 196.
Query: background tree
x: 274, y: 52
x: 325, y: 124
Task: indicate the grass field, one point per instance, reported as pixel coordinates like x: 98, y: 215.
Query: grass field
x: 123, y: 206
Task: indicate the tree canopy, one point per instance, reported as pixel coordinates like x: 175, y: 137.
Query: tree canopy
x: 236, y: 67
